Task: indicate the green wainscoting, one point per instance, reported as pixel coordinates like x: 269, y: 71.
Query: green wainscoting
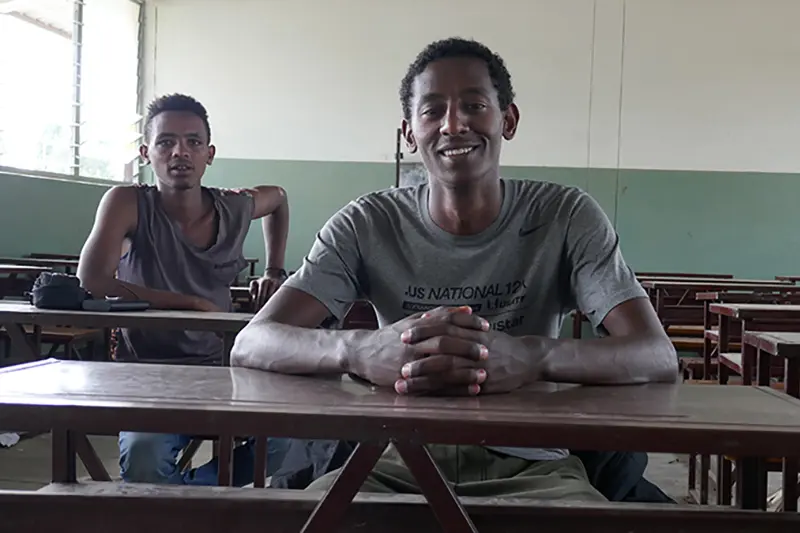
x: 743, y: 223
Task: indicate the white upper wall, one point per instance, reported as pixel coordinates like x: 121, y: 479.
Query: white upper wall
x: 319, y: 79
x: 712, y: 85
x: 666, y: 84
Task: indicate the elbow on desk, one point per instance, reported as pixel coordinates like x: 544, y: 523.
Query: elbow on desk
x: 668, y: 370
x: 247, y: 351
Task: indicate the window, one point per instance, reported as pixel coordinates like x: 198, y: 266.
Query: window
x: 69, y: 87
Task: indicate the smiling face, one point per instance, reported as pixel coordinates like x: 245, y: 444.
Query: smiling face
x: 178, y: 149
x: 456, y: 121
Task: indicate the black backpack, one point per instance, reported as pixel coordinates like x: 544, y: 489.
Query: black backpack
x: 53, y: 290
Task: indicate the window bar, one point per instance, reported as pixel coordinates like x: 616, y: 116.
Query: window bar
x: 137, y: 176
x: 77, y: 53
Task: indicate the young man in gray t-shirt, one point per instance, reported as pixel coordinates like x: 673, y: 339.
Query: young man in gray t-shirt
x: 471, y: 277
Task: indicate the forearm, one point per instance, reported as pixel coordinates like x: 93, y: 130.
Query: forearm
x: 267, y: 345
x: 617, y: 360
x: 276, y: 232
x: 111, y: 287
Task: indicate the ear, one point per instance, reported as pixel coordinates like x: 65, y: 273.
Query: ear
x: 510, y: 122
x: 212, y: 151
x: 144, y: 154
x: 408, y: 136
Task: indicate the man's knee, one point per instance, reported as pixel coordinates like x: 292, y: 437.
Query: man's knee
x: 148, y: 457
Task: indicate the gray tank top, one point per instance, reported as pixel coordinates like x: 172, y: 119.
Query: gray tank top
x: 160, y: 257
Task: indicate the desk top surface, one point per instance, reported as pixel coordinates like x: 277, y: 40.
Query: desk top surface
x: 216, y: 394
x: 713, y: 284
x: 745, y: 310
x: 22, y: 269
x: 23, y: 313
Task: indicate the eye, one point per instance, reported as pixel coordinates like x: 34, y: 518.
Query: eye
x: 195, y: 142
x: 164, y: 142
x: 477, y: 106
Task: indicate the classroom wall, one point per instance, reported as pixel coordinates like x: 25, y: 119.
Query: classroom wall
x: 680, y: 117
x: 45, y: 215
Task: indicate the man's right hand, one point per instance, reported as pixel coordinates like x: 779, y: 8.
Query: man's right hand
x: 381, y: 355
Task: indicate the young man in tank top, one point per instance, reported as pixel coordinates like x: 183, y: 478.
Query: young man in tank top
x: 178, y: 245
x: 471, y: 277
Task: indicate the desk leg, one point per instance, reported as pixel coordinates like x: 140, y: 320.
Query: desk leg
x: 791, y: 377
x: 225, y: 461
x: 790, y: 492
x: 443, y: 501
x: 20, y: 342
x: 65, y: 468
x: 260, y: 466
x: 227, y: 344
x: 330, y: 510
x: 94, y: 466
x: 751, y: 483
x: 763, y: 370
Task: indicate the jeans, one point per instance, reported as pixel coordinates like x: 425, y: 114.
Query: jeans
x: 152, y: 458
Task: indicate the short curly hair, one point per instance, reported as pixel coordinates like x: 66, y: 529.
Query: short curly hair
x: 175, y: 102
x: 458, y: 47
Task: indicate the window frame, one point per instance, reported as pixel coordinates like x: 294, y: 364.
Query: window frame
x: 75, y: 127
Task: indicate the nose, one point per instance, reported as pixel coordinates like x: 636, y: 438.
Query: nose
x: 453, y: 122
x: 180, y: 150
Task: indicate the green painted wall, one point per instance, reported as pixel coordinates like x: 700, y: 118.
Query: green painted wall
x: 742, y: 223
x: 45, y: 215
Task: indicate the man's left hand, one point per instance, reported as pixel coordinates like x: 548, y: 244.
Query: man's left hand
x: 512, y: 362
x: 262, y: 288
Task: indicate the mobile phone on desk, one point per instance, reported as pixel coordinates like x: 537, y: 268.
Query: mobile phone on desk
x: 105, y: 305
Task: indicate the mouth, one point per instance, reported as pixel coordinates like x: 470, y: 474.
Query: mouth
x: 454, y: 153
x: 180, y: 169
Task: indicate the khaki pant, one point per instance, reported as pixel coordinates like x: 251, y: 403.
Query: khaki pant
x: 479, y: 472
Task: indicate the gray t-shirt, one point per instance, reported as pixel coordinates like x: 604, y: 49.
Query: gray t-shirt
x: 551, y: 250
x: 161, y: 257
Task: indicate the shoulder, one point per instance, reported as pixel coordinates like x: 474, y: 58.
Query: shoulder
x: 547, y: 199
x: 385, y: 203
x: 233, y: 194
x: 124, y: 198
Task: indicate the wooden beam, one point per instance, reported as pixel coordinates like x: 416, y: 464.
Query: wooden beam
x: 129, y: 508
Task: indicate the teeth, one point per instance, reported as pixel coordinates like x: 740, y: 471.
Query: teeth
x: 457, y: 151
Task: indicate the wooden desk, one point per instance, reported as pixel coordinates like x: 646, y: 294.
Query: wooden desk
x: 252, y: 262
x: 14, y: 270
x: 11, y: 284
x: 674, y: 299
x: 70, y: 398
x: 786, y: 295
x: 72, y: 257
x: 684, y: 275
x: 762, y: 346
x: 16, y: 315
x: 716, y: 281
x: 753, y: 317
x: 68, y: 265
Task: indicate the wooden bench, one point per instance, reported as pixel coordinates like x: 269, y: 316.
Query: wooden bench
x: 71, y: 339
x: 685, y: 330
x: 133, y: 508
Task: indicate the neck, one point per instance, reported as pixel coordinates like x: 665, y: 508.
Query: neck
x: 182, y: 205
x: 465, y: 210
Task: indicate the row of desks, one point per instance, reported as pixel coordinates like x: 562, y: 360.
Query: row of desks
x: 77, y: 398
x: 14, y: 316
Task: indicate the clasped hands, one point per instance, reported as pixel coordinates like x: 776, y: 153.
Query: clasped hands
x: 447, y: 351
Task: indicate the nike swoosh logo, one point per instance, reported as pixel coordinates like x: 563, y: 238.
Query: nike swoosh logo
x: 524, y: 232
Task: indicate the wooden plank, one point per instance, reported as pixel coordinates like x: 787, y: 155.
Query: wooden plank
x: 96, y: 398
x: 127, y: 508
x: 22, y: 313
